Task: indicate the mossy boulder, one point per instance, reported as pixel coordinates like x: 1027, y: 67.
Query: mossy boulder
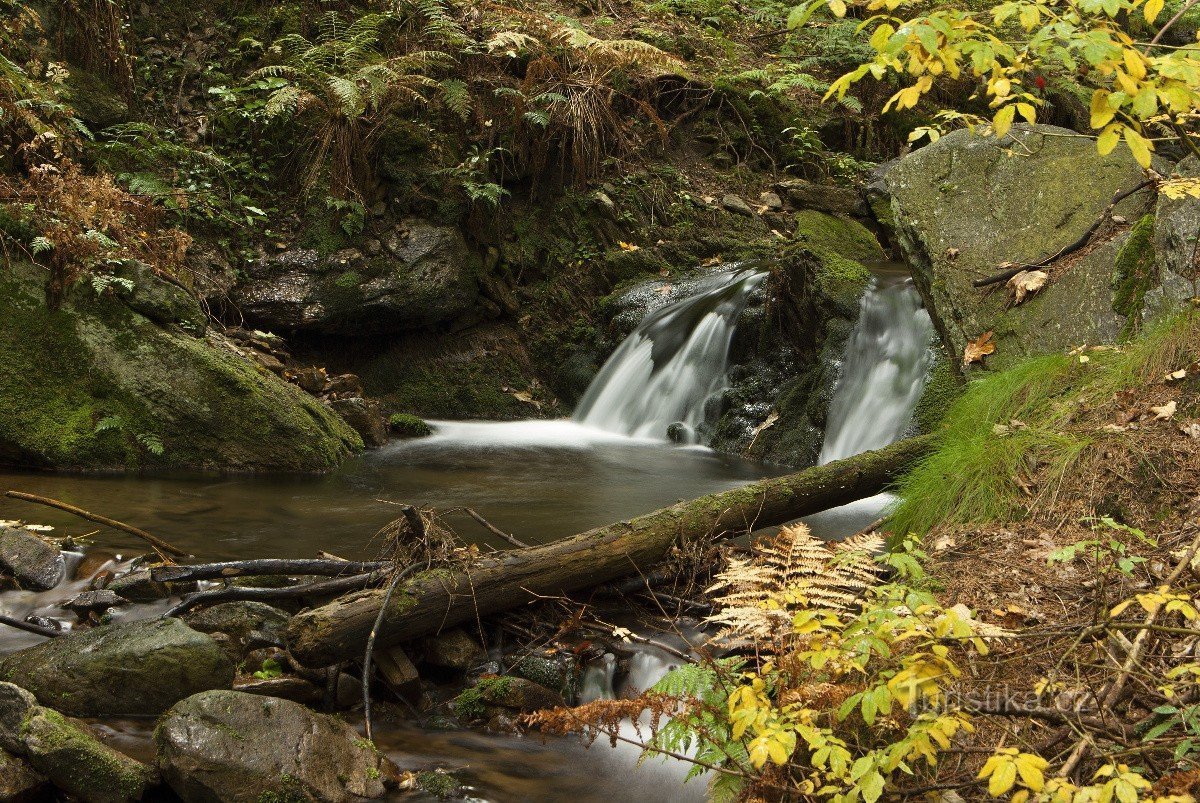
x: 839, y: 234
x: 19, y: 782
x: 233, y: 747
x: 969, y: 203
x: 406, y: 425
x: 95, y: 384
x: 422, y: 275
x: 134, y: 669
x: 1176, y: 253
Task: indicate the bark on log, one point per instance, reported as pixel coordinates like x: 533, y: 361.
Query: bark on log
x: 437, y: 599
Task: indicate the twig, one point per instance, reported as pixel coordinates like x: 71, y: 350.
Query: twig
x: 1007, y: 274
x: 494, y: 530
x: 418, y: 527
x: 232, y: 593
x: 264, y: 566
x: 159, y: 545
x: 1178, y: 16
x: 28, y: 627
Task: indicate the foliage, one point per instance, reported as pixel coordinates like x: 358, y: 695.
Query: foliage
x: 1139, y: 86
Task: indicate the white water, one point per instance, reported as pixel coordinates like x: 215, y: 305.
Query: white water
x: 886, y: 367
x: 671, y: 365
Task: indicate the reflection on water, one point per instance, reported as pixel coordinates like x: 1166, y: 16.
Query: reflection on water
x: 539, y: 480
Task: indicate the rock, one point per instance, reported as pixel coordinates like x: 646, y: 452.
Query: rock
x: 422, y: 277
x: 78, y: 763
x: 160, y: 300
x: 19, y: 782
x: 365, y: 416
x: 512, y: 693
x: 311, y: 379
x: 966, y: 204
x: 1176, y: 231
x: 822, y: 197
x: 737, y: 205
x: 134, y: 669
x: 138, y: 586
x: 201, y: 398
x: 771, y: 201
x: 344, y: 385
x: 679, y: 432
x: 827, y: 233
x: 16, y: 706
x: 228, y: 746
x: 349, y: 690
x: 454, y: 649
x: 285, y: 687
x: 94, y: 602
x: 240, y: 620
x: 404, y: 425
x: 94, y: 561
x: 556, y: 671
x: 35, y: 563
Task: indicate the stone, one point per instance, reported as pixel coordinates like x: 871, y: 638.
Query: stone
x: 365, y: 416
x: 285, y: 687
x: 16, y: 705
x: 93, y: 562
x: 405, y: 425
x: 69, y: 754
x: 822, y: 197
x: 737, y: 205
x: 160, y: 300
x: 557, y: 671
x: 35, y: 563
x: 201, y: 398
x: 344, y: 385
x: 967, y: 204
x: 227, y: 746
x: 771, y: 201
x: 240, y: 620
x: 129, y: 669
x: 1177, y: 258
x: 19, y: 782
x: 423, y: 276
x: 827, y: 233
x: 454, y: 649
x: 95, y: 602
x: 138, y: 586
x: 311, y: 379
x: 513, y: 693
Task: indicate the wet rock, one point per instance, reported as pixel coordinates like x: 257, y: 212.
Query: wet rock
x: 94, y: 602
x: 349, y: 690
x: 422, y: 276
x: 557, y: 671
x: 94, y: 561
x: 679, y: 432
x: 481, y: 701
x: 454, y: 649
x: 138, y: 586
x: 404, y: 425
x: 285, y: 687
x: 133, y: 669
x: 19, y: 782
x: 311, y: 379
x: 67, y: 752
x: 365, y: 416
x: 822, y: 197
x: 737, y: 205
x: 344, y: 385
x: 160, y: 300
x: 229, y: 746
x: 240, y: 621
x: 35, y: 563
x: 965, y: 205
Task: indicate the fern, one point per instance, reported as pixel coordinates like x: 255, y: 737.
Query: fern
x: 151, y: 443
x: 788, y: 572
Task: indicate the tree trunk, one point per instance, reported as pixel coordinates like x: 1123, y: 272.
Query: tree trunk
x: 437, y: 599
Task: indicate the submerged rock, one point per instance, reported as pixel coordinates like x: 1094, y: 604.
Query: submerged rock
x: 241, y: 621
x: 365, y: 415
x: 134, y: 669
x: 967, y: 204
x: 66, y: 752
x: 223, y: 746
x: 35, y: 563
x: 165, y: 398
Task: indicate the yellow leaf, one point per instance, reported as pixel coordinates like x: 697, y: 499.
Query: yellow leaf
x: 1026, y: 283
x: 838, y: 7
x: 1152, y: 9
x: 1003, y: 120
x: 1003, y: 778
x: 1134, y: 63
x: 881, y: 35
x: 1028, y: 112
x: 979, y: 348
x: 1108, y: 139
x: 1030, y: 767
x: 1139, y: 146
x: 1102, y: 113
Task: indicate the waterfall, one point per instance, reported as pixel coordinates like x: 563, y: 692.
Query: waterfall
x: 886, y: 366
x: 672, y: 364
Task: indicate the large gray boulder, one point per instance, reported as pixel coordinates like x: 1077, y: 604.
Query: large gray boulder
x: 1176, y: 234
x: 423, y: 275
x: 96, y: 384
x: 35, y: 563
x: 64, y: 751
x: 967, y: 204
x: 133, y: 669
x: 227, y: 746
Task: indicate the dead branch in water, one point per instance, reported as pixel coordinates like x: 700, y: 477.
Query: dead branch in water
x: 260, y: 567
x: 341, y: 585
x: 28, y: 627
x: 160, y: 546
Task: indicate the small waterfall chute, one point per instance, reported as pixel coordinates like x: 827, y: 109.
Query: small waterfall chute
x: 661, y: 376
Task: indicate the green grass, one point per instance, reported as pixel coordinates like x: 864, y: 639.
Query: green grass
x: 971, y: 477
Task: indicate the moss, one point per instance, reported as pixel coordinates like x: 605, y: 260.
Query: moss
x: 1135, y: 273
x: 472, y: 704
x: 406, y: 425
x: 350, y: 280
x: 441, y: 785
x: 944, y: 386
x: 83, y: 763
x: 840, y: 235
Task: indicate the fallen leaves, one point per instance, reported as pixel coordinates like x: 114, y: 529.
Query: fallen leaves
x: 666, y: 290
x: 764, y: 426
x: 1026, y: 283
x: 1192, y: 430
x: 979, y: 348
x: 1164, y: 412
x: 624, y: 246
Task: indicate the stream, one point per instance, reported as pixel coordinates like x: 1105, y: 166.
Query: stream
x: 540, y: 480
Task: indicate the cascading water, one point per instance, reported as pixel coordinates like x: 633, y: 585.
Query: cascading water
x: 886, y: 367
x: 668, y: 368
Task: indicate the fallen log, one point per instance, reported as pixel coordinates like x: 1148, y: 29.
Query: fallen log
x: 259, y: 567
x: 432, y: 600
